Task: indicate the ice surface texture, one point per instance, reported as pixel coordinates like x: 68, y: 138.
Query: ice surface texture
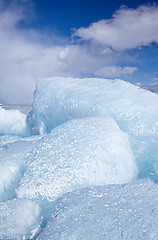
x: 18, y: 218
x: 57, y: 100
x: 13, y: 157
x: 115, y: 212
x: 12, y: 122
x: 77, y: 154
x: 97, y: 132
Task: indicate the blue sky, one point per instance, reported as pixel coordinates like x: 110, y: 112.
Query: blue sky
x: 65, y: 15
x: 43, y: 38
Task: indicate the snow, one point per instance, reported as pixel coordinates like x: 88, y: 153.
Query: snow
x: 79, y: 153
x: 12, y: 122
x: 128, y: 211
x: 83, y: 163
x: 18, y: 218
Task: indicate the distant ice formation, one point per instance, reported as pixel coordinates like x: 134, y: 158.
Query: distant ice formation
x: 12, y: 122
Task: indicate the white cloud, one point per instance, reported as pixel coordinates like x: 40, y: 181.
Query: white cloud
x: 24, y: 57
x: 114, y: 71
x: 129, y: 28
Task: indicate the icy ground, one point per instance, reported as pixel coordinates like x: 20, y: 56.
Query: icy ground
x: 83, y: 164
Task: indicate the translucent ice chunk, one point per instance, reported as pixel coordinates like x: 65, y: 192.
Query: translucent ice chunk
x: 13, y: 157
x: 18, y: 218
x: 115, y: 212
x: 79, y: 153
x: 57, y: 100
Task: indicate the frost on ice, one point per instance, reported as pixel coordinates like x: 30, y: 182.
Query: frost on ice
x: 14, y: 152
x: 18, y: 218
x: 79, y: 153
x: 112, y: 212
